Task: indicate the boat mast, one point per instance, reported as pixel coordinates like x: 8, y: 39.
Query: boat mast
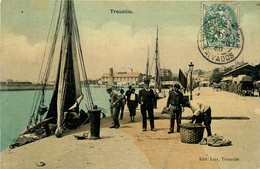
x: 147, y: 65
x: 157, y: 65
x: 38, y: 106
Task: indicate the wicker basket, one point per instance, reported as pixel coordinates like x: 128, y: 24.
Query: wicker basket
x: 191, y: 133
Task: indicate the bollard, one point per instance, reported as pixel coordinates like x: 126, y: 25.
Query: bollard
x: 95, y: 123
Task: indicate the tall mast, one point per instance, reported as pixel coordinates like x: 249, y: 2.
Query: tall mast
x: 157, y: 64
x: 147, y: 65
x: 69, y: 90
x: 156, y: 49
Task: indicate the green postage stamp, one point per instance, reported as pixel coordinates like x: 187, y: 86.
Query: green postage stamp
x: 220, y: 39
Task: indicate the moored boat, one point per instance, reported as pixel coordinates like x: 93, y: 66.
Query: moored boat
x: 63, y: 112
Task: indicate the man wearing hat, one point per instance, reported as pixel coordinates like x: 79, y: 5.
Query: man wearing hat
x: 146, y: 99
x: 128, y: 92
x: 174, y: 103
x: 122, y: 103
x: 115, y: 106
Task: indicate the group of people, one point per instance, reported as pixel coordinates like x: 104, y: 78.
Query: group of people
x: 118, y: 101
x: 146, y: 98
x: 176, y: 103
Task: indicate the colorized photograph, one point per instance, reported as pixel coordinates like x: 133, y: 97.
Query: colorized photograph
x: 129, y: 84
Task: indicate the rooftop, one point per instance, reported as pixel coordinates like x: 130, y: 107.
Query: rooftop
x: 237, y: 68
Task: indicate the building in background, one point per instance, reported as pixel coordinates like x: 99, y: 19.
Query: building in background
x: 165, y: 72
x: 243, y: 69
x: 123, y: 78
x: 166, y: 75
x: 204, y: 79
x: 201, y: 78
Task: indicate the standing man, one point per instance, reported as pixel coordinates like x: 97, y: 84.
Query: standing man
x: 128, y: 92
x: 146, y: 99
x: 201, y: 113
x: 122, y: 103
x: 115, y: 106
x: 174, y: 102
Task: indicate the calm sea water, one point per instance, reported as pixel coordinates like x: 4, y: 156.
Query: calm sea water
x: 15, y: 109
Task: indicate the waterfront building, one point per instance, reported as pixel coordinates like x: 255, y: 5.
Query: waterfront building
x: 123, y: 78
x: 165, y: 72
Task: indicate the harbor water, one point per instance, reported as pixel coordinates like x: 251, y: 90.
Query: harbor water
x: 16, y: 106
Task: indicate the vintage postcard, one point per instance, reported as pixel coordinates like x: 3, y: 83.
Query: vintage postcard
x: 130, y: 84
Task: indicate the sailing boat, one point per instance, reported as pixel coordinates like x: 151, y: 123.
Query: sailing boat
x: 158, y: 84
x: 147, y: 72
x: 63, y: 112
x: 157, y: 80
x: 111, y: 82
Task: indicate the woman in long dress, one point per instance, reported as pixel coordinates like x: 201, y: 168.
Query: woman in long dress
x: 132, y: 103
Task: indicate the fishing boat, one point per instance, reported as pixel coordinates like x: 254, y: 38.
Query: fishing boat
x: 147, y: 71
x: 157, y: 83
x: 111, y: 80
x: 63, y: 112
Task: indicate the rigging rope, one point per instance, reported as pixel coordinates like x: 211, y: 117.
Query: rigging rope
x: 36, y: 100
x: 87, y: 89
x: 39, y: 95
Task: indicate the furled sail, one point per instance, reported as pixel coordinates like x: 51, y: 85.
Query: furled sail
x: 111, y: 77
x: 69, y: 87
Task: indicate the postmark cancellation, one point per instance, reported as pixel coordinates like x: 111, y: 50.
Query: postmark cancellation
x: 220, y: 39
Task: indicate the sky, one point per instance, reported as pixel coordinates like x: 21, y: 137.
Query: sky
x: 116, y: 40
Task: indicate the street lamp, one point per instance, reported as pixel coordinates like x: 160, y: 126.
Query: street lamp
x: 191, y: 69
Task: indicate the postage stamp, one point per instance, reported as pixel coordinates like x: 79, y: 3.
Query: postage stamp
x: 220, y: 39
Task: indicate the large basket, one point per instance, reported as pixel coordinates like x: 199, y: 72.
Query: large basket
x: 191, y: 133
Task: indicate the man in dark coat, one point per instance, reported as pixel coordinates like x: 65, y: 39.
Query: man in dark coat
x: 174, y: 102
x: 122, y: 103
x: 146, y: 99
x: 128, y: 92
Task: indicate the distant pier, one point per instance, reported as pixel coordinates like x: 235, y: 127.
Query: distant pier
x: 20, y: 87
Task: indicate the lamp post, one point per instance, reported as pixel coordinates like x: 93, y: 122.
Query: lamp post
x: 191, y: 69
